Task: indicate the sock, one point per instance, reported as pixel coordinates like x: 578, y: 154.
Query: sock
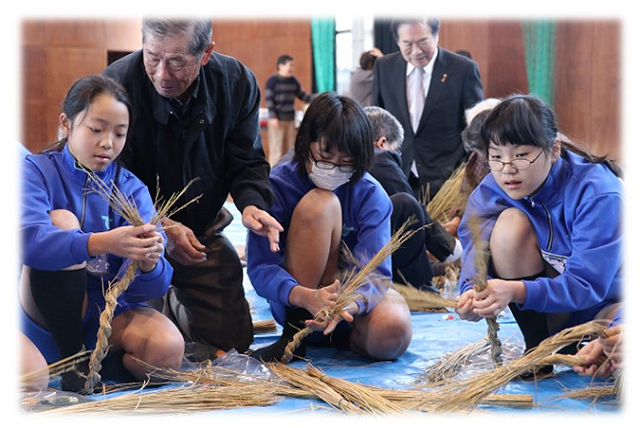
x: 113, y: 368
x: 293, y: 322
x: 59, y: 296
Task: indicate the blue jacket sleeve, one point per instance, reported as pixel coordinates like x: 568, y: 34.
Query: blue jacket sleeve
x: 64, y: 248
x: 483, y: 209
x: 265, y: 268
x: 374, y: 232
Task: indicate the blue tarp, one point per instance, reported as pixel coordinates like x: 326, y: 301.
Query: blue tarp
x: 434, y: 335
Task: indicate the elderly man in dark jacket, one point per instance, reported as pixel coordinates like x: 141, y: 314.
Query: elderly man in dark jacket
x: 196, y: 117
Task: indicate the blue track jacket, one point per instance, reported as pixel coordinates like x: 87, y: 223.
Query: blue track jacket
x: 366, y: 212
x: 53, y: 181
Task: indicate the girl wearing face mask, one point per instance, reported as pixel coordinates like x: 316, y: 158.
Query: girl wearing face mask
x: 552, y: 218
x: 325, y: 199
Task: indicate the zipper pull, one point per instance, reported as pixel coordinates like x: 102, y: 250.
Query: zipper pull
x: 531, y: 201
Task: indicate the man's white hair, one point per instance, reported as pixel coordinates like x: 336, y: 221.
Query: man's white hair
x: 486, y: 104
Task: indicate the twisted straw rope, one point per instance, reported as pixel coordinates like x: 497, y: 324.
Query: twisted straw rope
x: 126, y: 208
x: 482, y: 257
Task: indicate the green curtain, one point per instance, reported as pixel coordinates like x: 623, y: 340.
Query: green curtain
x: 539, y: 38
x: 323, y: 32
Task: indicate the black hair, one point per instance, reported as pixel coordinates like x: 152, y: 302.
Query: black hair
x: 82, y: 93
x: 283, y: 59
x: 367, y: 59
x: 200, y: 29
x: 432, y: 23
x: 520, y: 120
x: 528, y: 120
x: 339, y: 122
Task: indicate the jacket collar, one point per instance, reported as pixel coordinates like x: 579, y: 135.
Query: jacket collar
x: 162, y: 108
x: 73, y: 169
x: 550, y: 192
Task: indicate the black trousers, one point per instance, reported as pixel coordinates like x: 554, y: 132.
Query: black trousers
x: 410, y: 262
x: 212, y: 293
x: 538, y: 326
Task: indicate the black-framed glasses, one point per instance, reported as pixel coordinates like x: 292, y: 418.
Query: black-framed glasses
x: 327, y: 165
x: 519, y: 163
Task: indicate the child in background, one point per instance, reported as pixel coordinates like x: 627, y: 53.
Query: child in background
x: 552, y: 221
x: 326, y: 199
x: 74, y: 243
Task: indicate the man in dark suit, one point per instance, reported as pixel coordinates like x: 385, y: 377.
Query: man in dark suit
x: 448, y: 85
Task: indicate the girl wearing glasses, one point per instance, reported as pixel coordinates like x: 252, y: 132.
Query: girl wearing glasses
x: 551, y: 220
x: 326, y: 199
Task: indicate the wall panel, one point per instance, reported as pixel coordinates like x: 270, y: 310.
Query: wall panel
x: 588, y: 73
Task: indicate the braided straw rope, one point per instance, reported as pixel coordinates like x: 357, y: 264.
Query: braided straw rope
x: 125, y: 207
x: 481, y: 262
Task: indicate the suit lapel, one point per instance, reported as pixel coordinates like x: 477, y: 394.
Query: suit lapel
x: 436, y: 87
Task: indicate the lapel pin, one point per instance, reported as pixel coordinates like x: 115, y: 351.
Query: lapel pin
x: 444, y: 78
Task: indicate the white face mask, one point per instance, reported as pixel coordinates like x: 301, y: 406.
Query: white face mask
x: 328, y: 179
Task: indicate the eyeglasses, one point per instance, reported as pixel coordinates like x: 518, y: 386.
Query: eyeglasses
x: 327, y: 165
x: 173, y: 64
x: 519, y: 164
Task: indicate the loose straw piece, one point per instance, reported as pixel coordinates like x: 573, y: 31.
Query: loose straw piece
x: 447, y: 199
x: 423, y: 301
x: 265, y: 326
x: 55, y: 369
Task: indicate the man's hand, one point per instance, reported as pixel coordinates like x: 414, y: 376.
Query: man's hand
x: 182, y: 244
x: 261, y: 223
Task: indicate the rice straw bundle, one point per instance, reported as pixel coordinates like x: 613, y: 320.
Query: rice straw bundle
x: 361, y: 395
x: 470, y: 391
x: 265, y: 326
x: 451, y: 364
x: 481, y: 261
x: 185, y: 399
x: 316, y: 387
x: 125, y: 207
x: 348, y: 291
x: 612, y: 390
x: 377, y: 400
x: 423, y: 301
x: 427, y: 401
x: 447, y: 199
